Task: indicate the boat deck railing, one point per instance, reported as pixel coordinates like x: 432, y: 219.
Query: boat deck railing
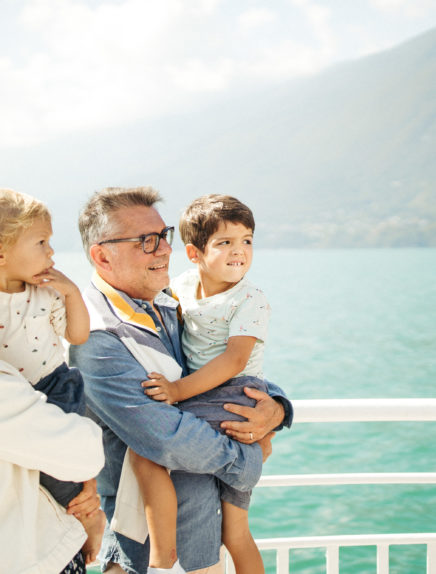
x: 352, y: 410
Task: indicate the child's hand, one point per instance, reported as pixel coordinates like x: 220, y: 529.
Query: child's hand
x: 87, y: 502
x: 266, y: 446
x: 57, y: 280
x: 158, y: 388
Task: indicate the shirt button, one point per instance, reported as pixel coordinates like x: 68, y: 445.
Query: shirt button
x: 158, y: 329
x: 218, y: 511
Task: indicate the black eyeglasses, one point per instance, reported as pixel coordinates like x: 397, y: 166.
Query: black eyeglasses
x: 150, y: 241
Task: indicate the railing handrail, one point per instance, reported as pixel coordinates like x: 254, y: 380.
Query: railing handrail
x: 348, y: 479
x: 346, y: 540
x: 354, y: 410
x: 363, y: 410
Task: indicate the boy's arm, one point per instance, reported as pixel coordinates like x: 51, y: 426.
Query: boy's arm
x: 217, y: 371
x: 77, y: 331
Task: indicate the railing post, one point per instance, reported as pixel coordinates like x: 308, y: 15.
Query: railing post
x: 282, y: 561
x: 229, y: 567
x: 431, y: 558
x: 332, y: 559
x: 382, y: 559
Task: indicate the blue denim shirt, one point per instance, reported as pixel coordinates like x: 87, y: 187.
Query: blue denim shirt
x: 195, y: 452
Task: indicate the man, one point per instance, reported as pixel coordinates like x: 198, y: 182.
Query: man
x: 135, y: 330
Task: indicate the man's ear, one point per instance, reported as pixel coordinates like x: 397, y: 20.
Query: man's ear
x: 99, y: 257
x: 192, y: 252
x: 2, y: 255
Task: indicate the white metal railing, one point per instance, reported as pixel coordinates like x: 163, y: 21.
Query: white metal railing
x: 353, y: 410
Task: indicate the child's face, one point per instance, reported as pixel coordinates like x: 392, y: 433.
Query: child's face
x: 29, y: 256
x: 227, y: 257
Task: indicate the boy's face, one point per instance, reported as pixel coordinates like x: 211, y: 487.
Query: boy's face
x: 226, y: 258
x: 28, y: 257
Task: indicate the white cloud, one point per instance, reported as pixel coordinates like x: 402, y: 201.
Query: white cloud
x: 83, y: 65
x: 89, y: 67
x: 112, y: 63
x: 257, y: 17
x: 408, y: 8
x: 198, y: 76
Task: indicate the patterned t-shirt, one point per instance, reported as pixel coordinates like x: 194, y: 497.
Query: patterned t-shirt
x: 209, y: 322
x: 31, y: 324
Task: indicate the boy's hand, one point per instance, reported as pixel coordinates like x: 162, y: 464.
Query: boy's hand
x: 87, y: 502
x: 160, y: 389
x: 57, y: 280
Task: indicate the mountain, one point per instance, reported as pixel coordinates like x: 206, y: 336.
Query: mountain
x: 341, y: 159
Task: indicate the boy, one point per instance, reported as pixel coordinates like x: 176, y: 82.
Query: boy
x: 38, y: 305
x: 225, y: 325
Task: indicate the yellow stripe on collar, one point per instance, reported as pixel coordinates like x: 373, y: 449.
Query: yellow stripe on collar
x: 122, y: 307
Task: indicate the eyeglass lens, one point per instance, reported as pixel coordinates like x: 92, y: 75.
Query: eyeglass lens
x: 150, y: 242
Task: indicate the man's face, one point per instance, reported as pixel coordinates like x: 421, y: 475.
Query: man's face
x: 140, y: 275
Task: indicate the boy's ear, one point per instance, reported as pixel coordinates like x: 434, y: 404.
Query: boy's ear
x: 192, y: 252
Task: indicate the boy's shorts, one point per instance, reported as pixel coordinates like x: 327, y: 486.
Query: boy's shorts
x: 209, y: 406
x: 238, y: 498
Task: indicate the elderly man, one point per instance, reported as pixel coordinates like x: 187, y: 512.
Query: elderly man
x: 135, y: 330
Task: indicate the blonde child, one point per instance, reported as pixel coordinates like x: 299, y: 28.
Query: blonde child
x: 225, y: 325
x: 38, y: 306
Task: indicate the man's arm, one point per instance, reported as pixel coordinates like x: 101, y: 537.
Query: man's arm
x: 152, y: 429
x: 37, y: 435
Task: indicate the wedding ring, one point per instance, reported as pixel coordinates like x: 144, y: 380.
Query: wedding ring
x: 251, y: 436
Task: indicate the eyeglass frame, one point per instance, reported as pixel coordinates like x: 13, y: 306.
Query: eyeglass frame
x: 142, y: 238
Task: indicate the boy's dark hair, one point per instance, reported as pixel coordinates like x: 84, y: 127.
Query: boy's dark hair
x: 202, y: 217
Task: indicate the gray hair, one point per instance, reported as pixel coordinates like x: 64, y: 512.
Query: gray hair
x: 97, y: 220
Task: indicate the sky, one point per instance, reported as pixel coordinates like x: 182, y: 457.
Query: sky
x: 74, y: 65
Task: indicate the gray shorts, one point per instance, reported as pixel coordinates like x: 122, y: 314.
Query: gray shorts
x: 209, y: 406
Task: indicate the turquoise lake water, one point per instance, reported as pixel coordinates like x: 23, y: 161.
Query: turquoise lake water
x: 345, y: 323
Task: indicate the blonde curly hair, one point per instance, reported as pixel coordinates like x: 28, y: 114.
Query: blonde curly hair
x: 17, y: 212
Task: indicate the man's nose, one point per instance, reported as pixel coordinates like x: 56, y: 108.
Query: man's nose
x: 163, y: 248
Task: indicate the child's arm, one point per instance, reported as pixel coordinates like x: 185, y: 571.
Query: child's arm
x: 217, y: 371
x: 77, y: 330
x: 87, y: 502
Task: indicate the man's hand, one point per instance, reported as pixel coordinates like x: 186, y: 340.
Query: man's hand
x: 87, y: 502
x: 261, y: 420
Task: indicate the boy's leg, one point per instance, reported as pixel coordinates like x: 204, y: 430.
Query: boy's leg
x: 160, y: 504
x: 239, y: 542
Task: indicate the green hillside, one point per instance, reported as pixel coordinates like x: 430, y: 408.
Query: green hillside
x: 341, y: 159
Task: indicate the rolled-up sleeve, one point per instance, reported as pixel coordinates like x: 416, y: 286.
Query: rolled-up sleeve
x: 37, y: 435
x: 155, y: 430
x: 278, y: 394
